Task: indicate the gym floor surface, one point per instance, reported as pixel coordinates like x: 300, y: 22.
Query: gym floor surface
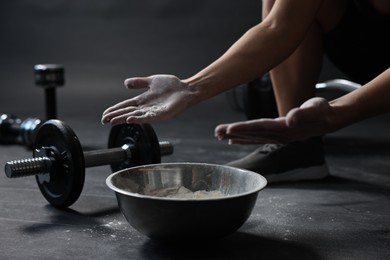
x: 346, y: 216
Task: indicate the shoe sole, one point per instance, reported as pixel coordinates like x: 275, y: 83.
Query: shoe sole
x: 300, y: 174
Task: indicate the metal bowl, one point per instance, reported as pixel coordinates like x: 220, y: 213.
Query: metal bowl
x: 228, y: 196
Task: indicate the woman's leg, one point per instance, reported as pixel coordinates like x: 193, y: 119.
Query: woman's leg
x: 293, y: 83
x: 294, y: 79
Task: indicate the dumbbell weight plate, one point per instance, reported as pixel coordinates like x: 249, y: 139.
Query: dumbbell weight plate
x: 144, y: 142
x: 66, y: 184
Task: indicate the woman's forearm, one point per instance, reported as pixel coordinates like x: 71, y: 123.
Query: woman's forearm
x: 242, y: 63
x: 260, y: 49
x: 369, y: 100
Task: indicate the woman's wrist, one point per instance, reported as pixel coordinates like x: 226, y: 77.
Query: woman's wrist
x: 339, y: 116
x: 200, y: 87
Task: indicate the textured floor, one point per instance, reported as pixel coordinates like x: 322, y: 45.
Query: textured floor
x: 343, y: 217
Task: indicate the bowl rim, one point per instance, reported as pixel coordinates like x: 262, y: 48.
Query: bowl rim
x: 262, y: 180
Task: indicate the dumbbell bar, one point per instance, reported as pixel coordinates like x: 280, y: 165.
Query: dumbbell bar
x: 59, y: 162
x: 45, y: 158
x: 49, y: 76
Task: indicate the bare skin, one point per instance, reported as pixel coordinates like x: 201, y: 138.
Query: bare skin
x: 261, y: 48
x: 293, y: 79
x: 288, y: 44
x: 166, y: 97
x: 315, y: 117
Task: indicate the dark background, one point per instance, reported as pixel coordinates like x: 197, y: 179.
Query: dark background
x: 101, y: 43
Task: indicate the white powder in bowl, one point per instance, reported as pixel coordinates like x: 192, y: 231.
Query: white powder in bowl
x: 184, y: 193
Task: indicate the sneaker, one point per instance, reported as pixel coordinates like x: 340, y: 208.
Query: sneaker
x: 296, y: 161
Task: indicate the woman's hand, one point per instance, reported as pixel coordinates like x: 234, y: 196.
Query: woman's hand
x: 312, y: 118
x: 166, y: 96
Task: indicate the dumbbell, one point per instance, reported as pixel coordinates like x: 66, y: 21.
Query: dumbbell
x: 14, y: 130
x: 49, y: 76
x: 59, y: 162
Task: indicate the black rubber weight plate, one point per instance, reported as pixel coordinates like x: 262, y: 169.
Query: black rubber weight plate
x: 67, y: 179
x: 143, y: 140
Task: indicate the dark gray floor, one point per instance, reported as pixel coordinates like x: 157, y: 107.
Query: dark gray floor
x: 343, y: 217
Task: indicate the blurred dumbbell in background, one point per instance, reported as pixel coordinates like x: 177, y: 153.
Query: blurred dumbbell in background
x: 14, y: 130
